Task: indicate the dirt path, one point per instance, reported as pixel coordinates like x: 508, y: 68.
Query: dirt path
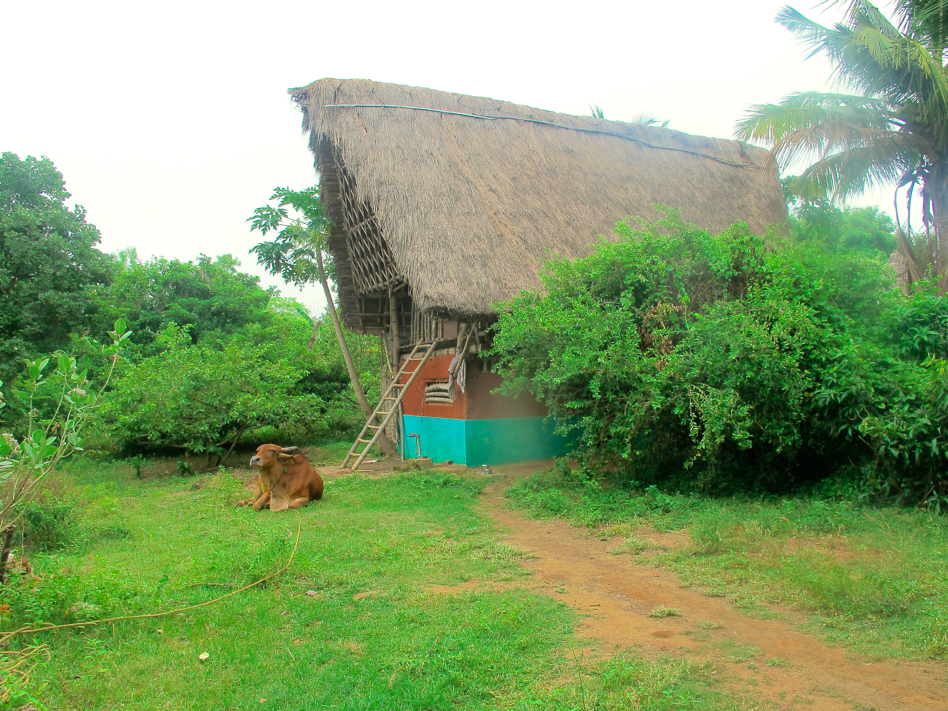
x: 785, y: 667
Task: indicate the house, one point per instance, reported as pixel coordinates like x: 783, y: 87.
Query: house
x: 444, y: 204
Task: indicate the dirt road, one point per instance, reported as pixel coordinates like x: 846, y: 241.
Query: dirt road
x: 785, y: 667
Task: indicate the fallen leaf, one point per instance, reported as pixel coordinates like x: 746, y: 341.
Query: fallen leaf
x: 312, y: 593
x: 160, y: 631
x: 203, y: 655
x: 363, y: 595
x: 262, y: 700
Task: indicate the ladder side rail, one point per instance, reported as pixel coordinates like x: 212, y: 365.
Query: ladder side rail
x: 395, y: 384
x: 394, y: 409
x: 374, y: 416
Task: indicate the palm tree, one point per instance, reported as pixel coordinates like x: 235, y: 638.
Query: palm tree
x: 892, y: 129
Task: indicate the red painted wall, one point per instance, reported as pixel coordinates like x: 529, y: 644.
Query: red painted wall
x: 414, y: 402
x: 477, y: 403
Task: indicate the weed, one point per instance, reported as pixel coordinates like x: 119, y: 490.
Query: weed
x: 49, y: 524
x: 629, y: 682
x: 633, y: 545
x: 660, y: 612
x: 737, y: 653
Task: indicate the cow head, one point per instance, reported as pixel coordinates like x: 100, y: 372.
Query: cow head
x: 267, y: 454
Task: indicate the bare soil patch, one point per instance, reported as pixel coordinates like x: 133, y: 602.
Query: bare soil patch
x: 787, y: 668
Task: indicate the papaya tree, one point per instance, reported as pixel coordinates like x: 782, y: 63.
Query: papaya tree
x: 298, y: 253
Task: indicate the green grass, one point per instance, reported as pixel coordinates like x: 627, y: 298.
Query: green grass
x: 329, y: 454
x: 353, y: 624
x: 869, y: 578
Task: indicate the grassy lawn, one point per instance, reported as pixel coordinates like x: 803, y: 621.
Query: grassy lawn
x: 361, y: 620
x: 873, y: 579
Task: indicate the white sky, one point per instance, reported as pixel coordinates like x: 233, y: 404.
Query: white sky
x: 170, y: 121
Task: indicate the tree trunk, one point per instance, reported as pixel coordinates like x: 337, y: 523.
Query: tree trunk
x: 312, y: 338
x: 937, y: 187
x: 383, y: 442
x: 5, y: 552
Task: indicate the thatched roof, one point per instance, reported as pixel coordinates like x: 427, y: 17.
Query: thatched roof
x: 470, y: 195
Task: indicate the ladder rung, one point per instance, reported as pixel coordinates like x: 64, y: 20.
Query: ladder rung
x: 365, y: 440
x: 383, y: 413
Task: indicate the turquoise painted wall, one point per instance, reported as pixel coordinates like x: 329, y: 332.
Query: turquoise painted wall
x: 477, y: 442
x: 441, y: 439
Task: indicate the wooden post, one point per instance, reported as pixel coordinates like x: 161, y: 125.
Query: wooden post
x: 394, y: 325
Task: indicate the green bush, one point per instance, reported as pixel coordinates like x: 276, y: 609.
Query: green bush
x: 732, y: 362
x: 277, y: 379
x: 49, y: 524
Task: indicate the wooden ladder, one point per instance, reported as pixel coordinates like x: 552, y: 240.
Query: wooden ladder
x: 388, y: 405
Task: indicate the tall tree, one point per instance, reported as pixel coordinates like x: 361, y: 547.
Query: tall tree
x: 209, y: 295
x: 296, y: 254
x: 49, y: 265
x: 892, y: 129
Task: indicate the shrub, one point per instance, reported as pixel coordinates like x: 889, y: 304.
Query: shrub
x: 49, y: 524
x: 732, y: 362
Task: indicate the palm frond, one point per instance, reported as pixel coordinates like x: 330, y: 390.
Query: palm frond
x: 868, y: 53
x: 646, y: 120
x: 854, y: 171
x: 817, y: 124
x: 898, y: 67
x: 926, y: 20
x: 809, y: 32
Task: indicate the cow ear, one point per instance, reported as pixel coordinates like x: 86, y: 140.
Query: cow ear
x: 286, y: 458
x: 290, y: 450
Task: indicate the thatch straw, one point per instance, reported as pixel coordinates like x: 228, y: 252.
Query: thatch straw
x: 470, y: 208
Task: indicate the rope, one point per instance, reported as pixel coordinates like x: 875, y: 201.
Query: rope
x: 545, y: 123
x: 4, y: 637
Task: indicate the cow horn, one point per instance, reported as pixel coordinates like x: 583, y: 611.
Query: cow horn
x: 289, y: 450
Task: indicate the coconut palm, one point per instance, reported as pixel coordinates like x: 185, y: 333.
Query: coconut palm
x: 892, y: 129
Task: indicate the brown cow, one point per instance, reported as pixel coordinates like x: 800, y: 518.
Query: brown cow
x: 286, y: 481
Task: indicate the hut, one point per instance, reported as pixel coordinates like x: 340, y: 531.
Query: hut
x: 444, y: 204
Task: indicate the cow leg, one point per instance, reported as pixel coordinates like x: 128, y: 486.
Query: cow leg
x: 299, y: 503
x: 262, y: 501
x: 257, y: 493
x: 279, y: 503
